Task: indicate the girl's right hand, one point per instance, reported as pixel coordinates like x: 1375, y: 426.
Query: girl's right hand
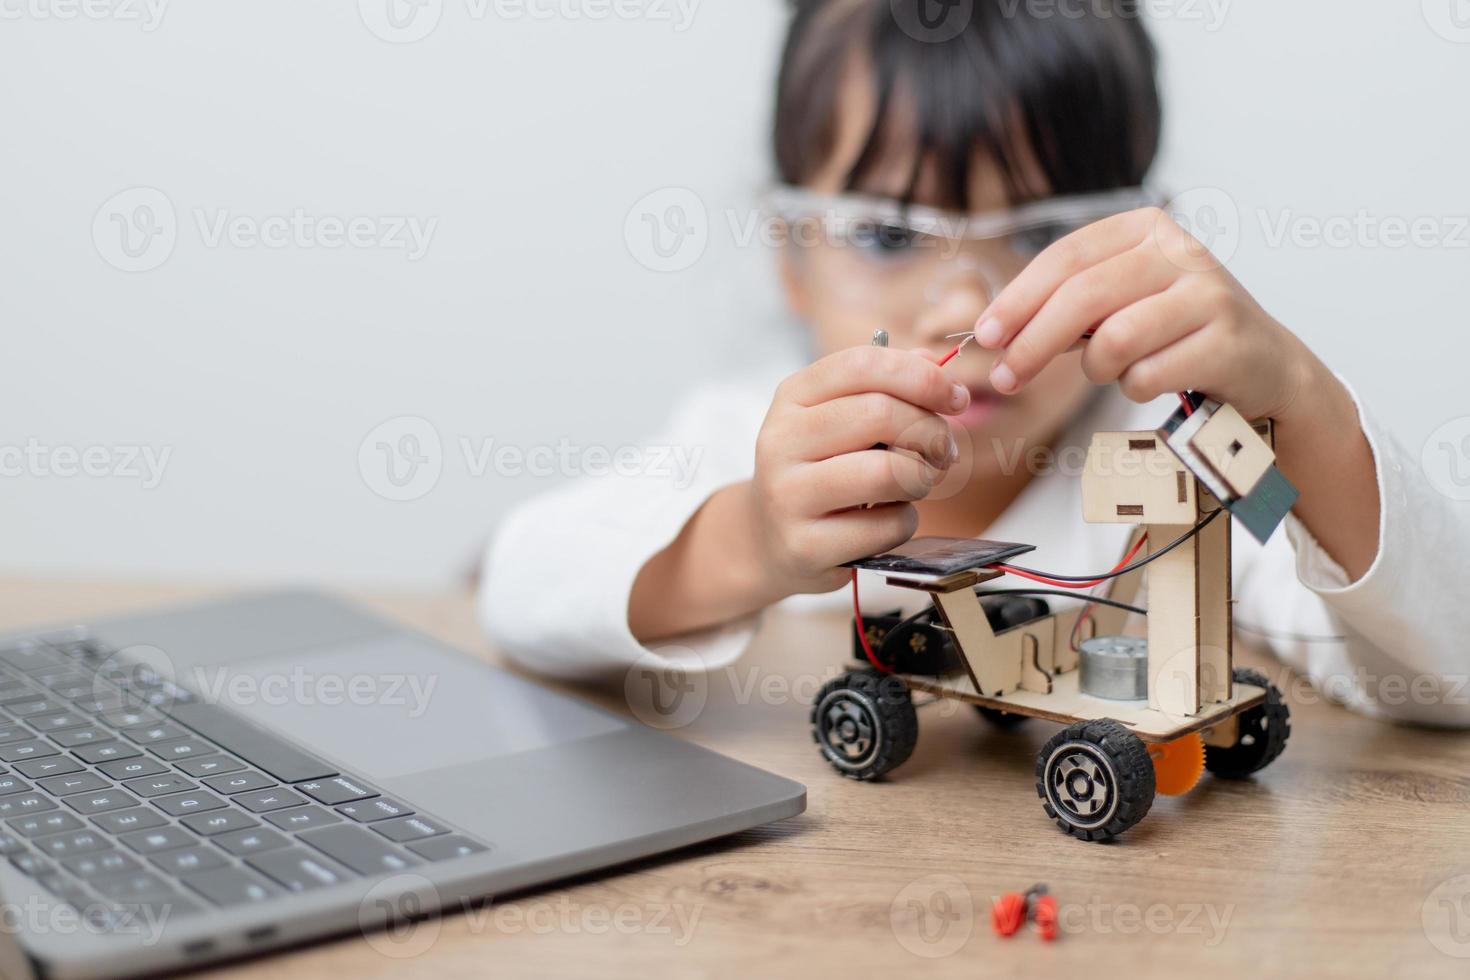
x: 823, y: 492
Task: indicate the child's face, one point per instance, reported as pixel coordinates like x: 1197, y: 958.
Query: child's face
x: 921, y: 295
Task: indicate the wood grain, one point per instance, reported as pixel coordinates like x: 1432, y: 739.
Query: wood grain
x: 1325, y: 865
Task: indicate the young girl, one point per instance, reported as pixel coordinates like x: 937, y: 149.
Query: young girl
x: 989, y: 182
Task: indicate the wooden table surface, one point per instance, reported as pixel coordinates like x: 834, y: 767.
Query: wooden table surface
x: 1350, y: 856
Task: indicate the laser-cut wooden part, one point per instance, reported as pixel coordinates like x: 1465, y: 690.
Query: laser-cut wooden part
x: 1173, y: 623
x: 1134, y: 478
x: 1232, y: 447
x: 1066, y: 704
x: 1216, y: 629
x: 993, y: 662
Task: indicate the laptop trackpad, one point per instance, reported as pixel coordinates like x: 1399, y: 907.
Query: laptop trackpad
x: 397, y: 704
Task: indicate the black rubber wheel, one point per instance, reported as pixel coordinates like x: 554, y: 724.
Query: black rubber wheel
x: 1261, y: 736
x: 864, y: 723
x: 1001, y: 719
x: 1095, y: 779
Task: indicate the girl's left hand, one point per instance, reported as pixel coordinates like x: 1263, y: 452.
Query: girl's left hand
x: 1164, y: 315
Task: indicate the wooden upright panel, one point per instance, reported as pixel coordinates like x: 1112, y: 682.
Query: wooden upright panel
x: 1216, y: 661
x: 1173, y: 623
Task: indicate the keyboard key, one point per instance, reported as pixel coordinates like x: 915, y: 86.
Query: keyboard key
x: 362, y: 851
x: 75, y: 782
x: 446, y: 848
x: 242, y: 842
x: 33, y: 656
x: 45, y: 823
x: 121, y: 769
x: 56, y: 722
x: 128, y: 715
x: 55, y: 765
x: 34, y: 706
x: 165, y: 782
x: 101, y: 863
x: 303, y: 818
x: 12, y: 784
x: 180, y: 804
x: 122, y: 821
x: 148, y: 734
x: 181, y: 748
x: 263, y: 801
x: 14, y: 692
x: 369, y: 810
x: 209, y: 766
x: 263, y: 750
x: 87, y: 735
x: 218, y: 822
x: 101, y: 802
x: 76, y: 842
x: 14, y: 733
x: 405, y: 829
x: 11, y: 844
x: 20, y: 804
x: 65, y: 889
x: 187, y: 859
x: 159, y: 839
x: 238, y: 782
x: 20, y: 751
x: 31, y: 864
x: 337, y: 790
x: 231, y: 886
x: 133, y: 886
x: 104, y: 752
x: 299, y: 869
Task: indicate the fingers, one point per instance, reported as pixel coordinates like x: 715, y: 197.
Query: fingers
x: 875, y: 476
x: 1193, y: 361
x: 857, y: 534
x: 1139, y: 330
x: 857, y: 422
x: 1075, y: 307
x: 1083, y: 249
x: 902, y: 374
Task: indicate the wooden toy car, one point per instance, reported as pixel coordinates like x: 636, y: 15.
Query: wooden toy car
x: 1141, y: 717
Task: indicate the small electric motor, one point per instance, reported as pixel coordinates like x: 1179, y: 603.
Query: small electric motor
x: 1115, y: 667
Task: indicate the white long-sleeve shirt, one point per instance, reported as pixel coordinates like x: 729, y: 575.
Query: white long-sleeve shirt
x: 1391, y: 644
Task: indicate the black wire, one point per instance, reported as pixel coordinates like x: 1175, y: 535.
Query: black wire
x: 1155, y: 556
x: 928, y: 610
x: 1097, y: 600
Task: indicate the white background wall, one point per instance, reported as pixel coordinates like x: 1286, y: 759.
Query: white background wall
x: 529, y: 319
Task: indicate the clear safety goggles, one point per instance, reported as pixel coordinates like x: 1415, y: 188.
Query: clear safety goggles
x: 893, y: 241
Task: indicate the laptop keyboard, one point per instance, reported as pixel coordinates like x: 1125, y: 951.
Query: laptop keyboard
x: 119, y: 789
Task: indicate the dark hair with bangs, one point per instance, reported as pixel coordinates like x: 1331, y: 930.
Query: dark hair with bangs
x: 1075, y: 93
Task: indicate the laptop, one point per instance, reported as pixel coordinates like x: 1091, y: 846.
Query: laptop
x: 223, y: 779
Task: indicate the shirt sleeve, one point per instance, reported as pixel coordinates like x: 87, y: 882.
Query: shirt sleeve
x: 1391, y: 643
x: 559, y: 571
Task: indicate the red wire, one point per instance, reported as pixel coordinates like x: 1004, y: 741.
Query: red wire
x: 862, y: 631
x: 1011, y: 570
x: 951, y: 355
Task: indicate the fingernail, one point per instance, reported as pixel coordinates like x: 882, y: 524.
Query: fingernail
x: 988, y: 333
x: 954, y: 449
x: 1003, y: 379
x: 959, y: 397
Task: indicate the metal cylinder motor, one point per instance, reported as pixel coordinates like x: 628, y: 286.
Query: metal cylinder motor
x: 1115, y: 667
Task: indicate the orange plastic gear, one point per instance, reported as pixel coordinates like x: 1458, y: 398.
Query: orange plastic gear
x: 1178, y: 765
